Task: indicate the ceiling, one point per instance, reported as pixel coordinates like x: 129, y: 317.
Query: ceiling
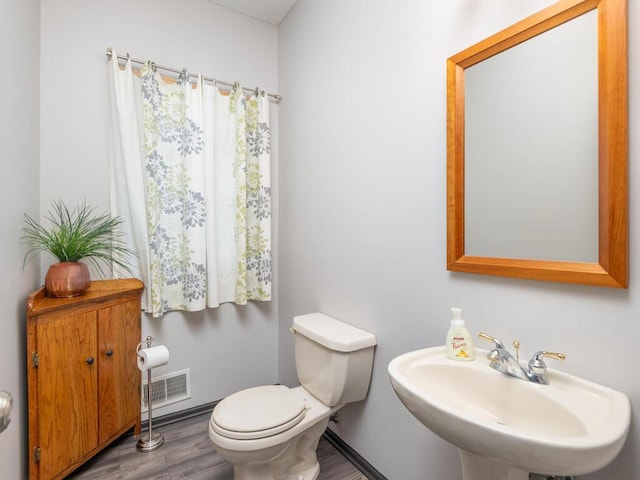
x: 270, y: 11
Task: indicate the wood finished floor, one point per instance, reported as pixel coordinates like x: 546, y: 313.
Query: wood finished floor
x: 188, y: 454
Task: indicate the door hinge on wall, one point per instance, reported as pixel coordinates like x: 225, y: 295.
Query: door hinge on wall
x: 35, y: 360
x: 36, y: 454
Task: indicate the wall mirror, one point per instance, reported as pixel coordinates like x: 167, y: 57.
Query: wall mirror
x: 537, y: 148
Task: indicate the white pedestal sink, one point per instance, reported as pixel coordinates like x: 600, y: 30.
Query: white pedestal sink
x: 506, y: 427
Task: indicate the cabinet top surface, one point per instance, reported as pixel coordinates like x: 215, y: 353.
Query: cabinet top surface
x: 38, y: 302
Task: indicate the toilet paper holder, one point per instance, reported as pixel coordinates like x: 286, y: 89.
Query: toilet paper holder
x: 151, y: 440
x: 149, y: 340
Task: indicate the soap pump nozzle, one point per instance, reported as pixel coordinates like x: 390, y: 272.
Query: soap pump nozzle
x: 456, y: 319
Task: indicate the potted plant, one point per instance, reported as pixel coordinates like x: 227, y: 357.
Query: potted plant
x: 74, y: 235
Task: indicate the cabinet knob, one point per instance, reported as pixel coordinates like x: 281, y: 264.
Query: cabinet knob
x: 109, y: 353
x: 90, y: 360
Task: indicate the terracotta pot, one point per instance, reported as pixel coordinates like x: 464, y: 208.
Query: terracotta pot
x: 67, y: 279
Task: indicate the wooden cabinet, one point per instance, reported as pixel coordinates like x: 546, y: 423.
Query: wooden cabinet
x: 83, y: 381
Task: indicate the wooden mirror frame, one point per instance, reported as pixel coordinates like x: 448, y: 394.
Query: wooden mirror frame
x: 611, y: 270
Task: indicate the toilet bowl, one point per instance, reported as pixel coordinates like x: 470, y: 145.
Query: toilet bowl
x: 271, y: 432
x: 288, y: 454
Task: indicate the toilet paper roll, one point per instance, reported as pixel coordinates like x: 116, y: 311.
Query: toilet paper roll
x: 152, y: 357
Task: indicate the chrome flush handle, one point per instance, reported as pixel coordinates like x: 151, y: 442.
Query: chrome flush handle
x: 6, y: 405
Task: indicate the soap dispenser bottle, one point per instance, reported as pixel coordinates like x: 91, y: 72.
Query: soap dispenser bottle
x: 459, y: 343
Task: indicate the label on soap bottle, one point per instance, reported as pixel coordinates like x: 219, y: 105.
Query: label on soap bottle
x: 459, y: 346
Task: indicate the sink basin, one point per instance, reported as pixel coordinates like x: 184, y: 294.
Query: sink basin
x: 506, y: 427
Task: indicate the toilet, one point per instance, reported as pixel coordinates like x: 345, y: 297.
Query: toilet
x: 271, y: 432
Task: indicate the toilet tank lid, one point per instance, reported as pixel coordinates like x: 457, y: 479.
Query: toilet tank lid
x: 332, y: 333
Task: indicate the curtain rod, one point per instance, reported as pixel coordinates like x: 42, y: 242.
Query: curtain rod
x: 110, y: 54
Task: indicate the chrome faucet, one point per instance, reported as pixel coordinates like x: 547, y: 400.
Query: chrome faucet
x: 501, y: 360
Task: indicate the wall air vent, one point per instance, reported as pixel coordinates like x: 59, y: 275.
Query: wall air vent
x: 166, y: 389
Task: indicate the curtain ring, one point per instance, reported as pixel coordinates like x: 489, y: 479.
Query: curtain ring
x: 257, y: 92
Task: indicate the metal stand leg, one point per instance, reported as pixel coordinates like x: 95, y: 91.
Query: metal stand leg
x: 150, y: 441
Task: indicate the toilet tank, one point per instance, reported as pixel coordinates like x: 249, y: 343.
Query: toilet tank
x: 333, y: 359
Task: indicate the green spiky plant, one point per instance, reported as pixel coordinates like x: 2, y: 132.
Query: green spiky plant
x: 79, y: 234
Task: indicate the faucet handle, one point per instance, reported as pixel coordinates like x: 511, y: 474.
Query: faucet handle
x: 498, y: 350
x: 537, y: 365
x: 489, y: 338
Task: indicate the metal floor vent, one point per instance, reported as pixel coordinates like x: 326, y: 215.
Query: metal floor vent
x: 166, y: 389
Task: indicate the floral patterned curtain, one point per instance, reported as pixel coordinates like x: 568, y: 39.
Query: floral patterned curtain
x: 205, y: 161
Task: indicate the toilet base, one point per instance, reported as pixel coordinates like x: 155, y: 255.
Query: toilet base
x: 263, y: 472
x: 295, y: 460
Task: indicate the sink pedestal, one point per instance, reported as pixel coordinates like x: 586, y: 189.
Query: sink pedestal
x: 476, y: 467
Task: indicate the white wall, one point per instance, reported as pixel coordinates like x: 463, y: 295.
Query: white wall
x: 361, y: 202
x: 19, y: 33
x: 363, y: 216
x: 228, y: 348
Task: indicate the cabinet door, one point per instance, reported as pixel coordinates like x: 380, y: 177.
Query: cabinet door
x: 67, y: 391
x: 119, y: 377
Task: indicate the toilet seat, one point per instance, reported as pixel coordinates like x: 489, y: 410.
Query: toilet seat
x: 258, y: 412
